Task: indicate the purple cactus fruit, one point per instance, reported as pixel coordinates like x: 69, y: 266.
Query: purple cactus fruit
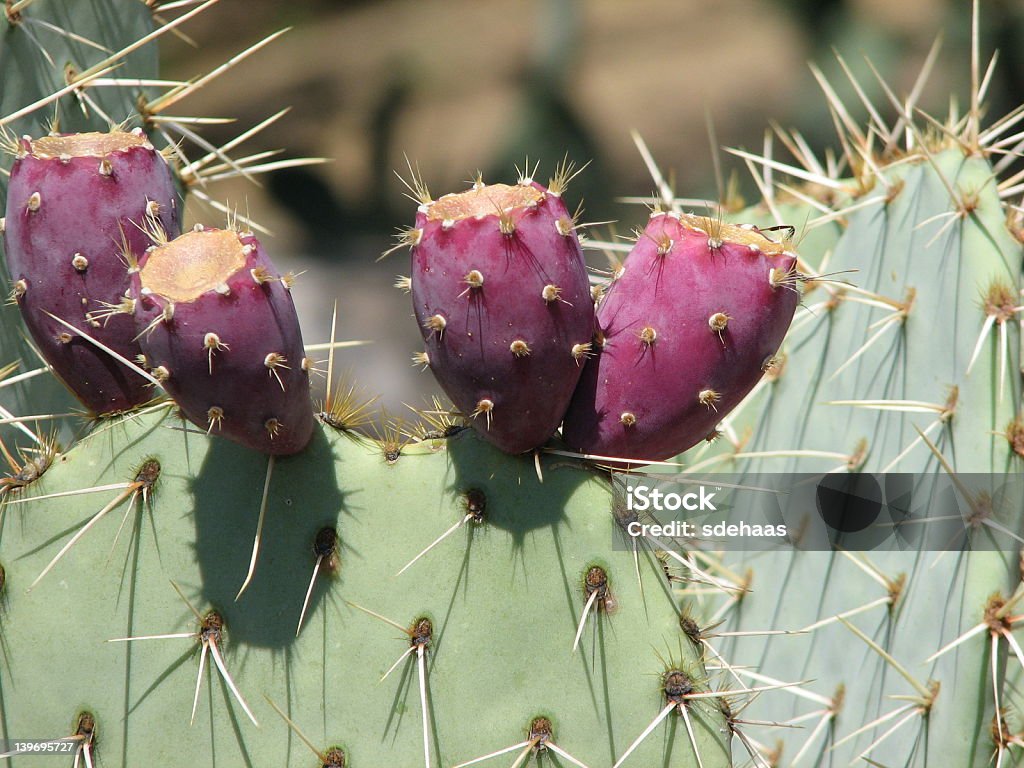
x: 684, y: 333
x: 501, y: 293
x: 78, y: 208
x: 218, y: 327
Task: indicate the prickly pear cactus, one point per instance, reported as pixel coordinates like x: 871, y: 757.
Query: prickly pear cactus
x: 504, y: 597
x: 374, y: 650
x: 906, y: 360
x: 430, y: 600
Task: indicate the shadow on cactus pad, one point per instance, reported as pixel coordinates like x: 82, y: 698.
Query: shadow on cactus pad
x: 304, y: 498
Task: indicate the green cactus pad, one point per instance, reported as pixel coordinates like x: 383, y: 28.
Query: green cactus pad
x: 504, y: 597
x: 936, y: 234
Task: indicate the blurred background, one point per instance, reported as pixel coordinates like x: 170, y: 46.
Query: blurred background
x: 465, y: 85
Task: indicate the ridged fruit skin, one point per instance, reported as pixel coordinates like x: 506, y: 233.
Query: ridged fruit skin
x: 67, y: 221
x: 650, y: 396
x: 474, y: 356
x: 251, y: 319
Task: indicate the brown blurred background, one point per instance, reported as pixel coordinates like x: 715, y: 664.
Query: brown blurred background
x: 462, y: 85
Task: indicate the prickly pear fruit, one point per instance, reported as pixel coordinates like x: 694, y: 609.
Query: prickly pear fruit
x: 78, y: 207
x: 218, y: 328
x: 685, y: 331
x: 501, y: 293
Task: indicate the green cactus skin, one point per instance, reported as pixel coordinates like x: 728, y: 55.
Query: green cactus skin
x: 504, y: 596
x: 28, y: 76
x: 921, y: 601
